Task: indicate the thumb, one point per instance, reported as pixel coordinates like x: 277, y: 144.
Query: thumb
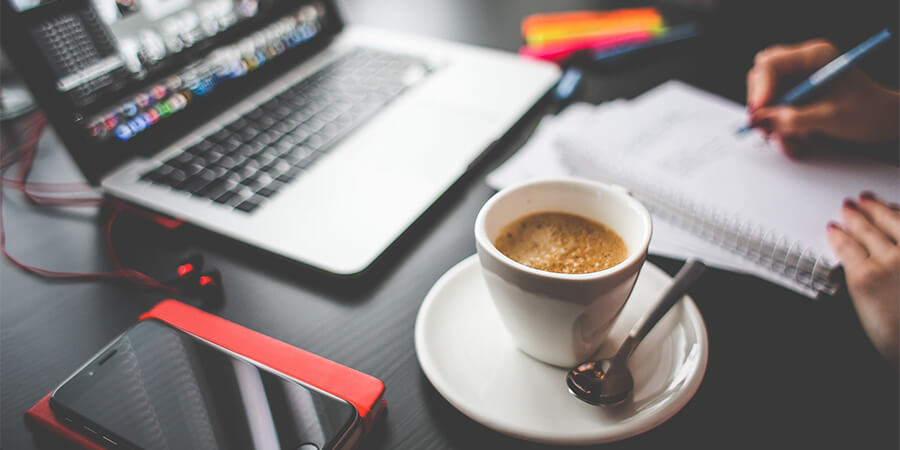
x: 773, y: 65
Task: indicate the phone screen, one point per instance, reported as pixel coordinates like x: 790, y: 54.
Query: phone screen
x: 159, y: 387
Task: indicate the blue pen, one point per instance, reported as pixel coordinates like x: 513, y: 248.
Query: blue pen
x: 573, y: 76
x: 671, y: 35
x: 812, y: 85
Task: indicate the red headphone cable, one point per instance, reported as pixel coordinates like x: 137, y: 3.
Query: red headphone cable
x: 24, y: 156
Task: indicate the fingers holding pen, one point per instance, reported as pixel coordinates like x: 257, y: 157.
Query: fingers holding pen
x: 772, y: 65
x: 793, y: 121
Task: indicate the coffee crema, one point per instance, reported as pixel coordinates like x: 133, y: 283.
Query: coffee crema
x: 561, y: 242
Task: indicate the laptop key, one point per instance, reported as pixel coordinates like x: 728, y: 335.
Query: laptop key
x: 242, y: 192
x: 249, y: 167
x: 183, y: 157
x: 228, y: 198
x: 230, y: 145
x: 307, y: 160
x: 251, y: 181
x: 153, y: 176
x: 192, y: 168
x: 208, y: 191
x: 289, y: 141
x: 302, y: 132
x: 248, y: 134
x: 226, y: 162
x: 267, y: 137
x: 247, y: 206
x: 199, y: 148
x: 238, y: 125
x: 283, y: 127
x: 329, y: 132
x: 175, y: 177
x: 228, y: 180
x: 255, y: 115
x: 216, y: 171
x: 314, y: 142
x: 221, y: 136
x: 213, y: 156
x: 290, y: 175
x: 274, y: 169
x: 270, y: 190
x: 193, y: 184
x: 298, y: 154
x: 244, y: 151
x: 163, y: 170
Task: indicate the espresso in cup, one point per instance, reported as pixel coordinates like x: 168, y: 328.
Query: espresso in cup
x: 561, y: 318
x: 561, y: 242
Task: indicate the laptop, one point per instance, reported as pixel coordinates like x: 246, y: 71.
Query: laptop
x: 270, y: 122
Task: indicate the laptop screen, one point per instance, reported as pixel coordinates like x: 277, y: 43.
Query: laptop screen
x: 120, y: 78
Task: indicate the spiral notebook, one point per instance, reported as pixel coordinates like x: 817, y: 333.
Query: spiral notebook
x: 734, y: 199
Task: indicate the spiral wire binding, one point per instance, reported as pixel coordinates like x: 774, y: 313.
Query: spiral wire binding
x: 762, y: 246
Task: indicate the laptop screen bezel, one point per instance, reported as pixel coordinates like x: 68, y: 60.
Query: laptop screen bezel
x: 96, y: 160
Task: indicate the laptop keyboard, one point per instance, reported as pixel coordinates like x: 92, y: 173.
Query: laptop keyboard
x: 249, y: 160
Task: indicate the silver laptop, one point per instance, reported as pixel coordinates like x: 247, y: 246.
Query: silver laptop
x: 269, y: 122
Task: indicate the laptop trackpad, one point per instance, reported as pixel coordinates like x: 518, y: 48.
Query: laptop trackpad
x: 367, y: 191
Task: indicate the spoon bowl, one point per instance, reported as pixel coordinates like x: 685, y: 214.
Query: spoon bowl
x: 601, y: 382
x: 609, y: 381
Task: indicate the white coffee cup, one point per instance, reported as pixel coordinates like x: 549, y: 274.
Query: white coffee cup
x: 559, y: 318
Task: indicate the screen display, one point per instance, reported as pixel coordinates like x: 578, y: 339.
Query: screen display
x: 25, y: 5
x: 158, y: 387
x: 149, y: 32
x: 125, y: 78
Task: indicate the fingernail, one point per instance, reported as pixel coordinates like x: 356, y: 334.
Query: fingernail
x: 834, y: 226
x: 849, y: 203
x: 867, y: 195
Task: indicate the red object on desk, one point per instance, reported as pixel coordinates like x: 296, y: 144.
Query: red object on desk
x: 364, y: 391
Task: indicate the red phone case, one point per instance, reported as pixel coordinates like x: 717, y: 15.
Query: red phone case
x: 365, y: 392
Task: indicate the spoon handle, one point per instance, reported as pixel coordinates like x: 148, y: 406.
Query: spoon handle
x: 689, y: 273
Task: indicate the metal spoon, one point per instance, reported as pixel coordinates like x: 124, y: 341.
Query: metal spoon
x: 608, y: 381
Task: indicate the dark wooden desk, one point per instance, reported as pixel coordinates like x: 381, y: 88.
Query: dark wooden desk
x: 783, y: 371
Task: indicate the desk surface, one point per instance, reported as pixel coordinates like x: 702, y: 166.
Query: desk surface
x: 779, y: 367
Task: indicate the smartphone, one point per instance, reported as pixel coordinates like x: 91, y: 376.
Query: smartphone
x: 156, y: 387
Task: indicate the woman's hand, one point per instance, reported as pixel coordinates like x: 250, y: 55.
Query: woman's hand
x: 853, y: 107
x: 867, y: 245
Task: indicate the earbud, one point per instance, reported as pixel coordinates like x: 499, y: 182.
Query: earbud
x: 188, y: 270
x: 196, y: 285
x: 210, y: 290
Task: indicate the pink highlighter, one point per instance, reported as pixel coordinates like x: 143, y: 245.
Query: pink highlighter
x: 563, y: 50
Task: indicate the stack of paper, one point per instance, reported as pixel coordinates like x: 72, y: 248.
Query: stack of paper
x: 678, y: 145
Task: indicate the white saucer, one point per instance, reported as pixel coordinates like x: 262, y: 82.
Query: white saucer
x: 470, y: 359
